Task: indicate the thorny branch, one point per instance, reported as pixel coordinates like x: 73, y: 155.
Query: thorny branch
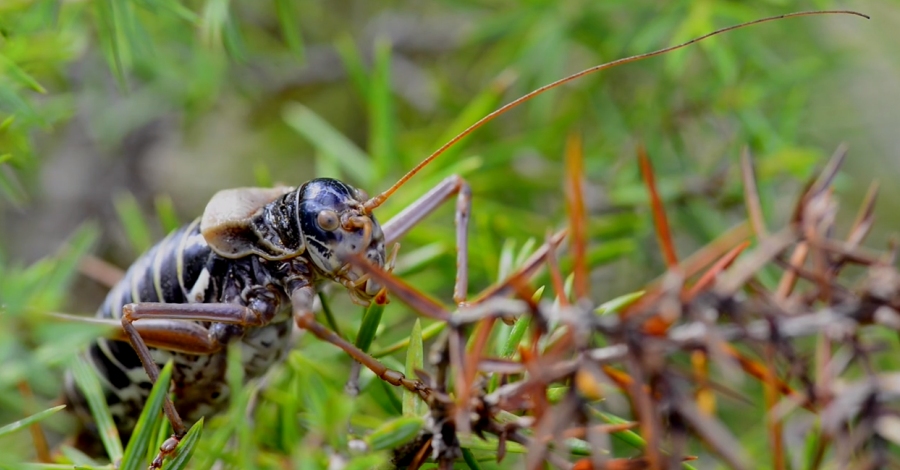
x: 632, y: 364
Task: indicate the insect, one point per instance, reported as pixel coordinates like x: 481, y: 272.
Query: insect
x: 249, y: 268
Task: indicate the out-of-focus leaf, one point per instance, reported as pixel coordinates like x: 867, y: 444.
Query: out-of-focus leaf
x: 470, y: 441
x: 25, y: 422
x: 234, y: 374
x: 382, y: 119
x: 234, y: 40
x: 213, y: 23
x: 366, y: 462
x: 290, y: 29
x: 353, y: 62
x: 17, y: 107
x: 262, y: 174
x: 173, y: 6
x: 165, y: 211
x: 330, y: 142
x: 9, y: 67
x: 470, y: 459
x: 144, y: 434
x: 86, y: 378
x: 116, y: 37
x: 618, y: 303
x: 133, y: 222
x: 395, y: 432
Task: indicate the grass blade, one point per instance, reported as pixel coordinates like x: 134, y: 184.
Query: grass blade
x: 628, y: 436
x: 25, y: 422
x: 144, y: 431
x: 77, y: 457
x: 470, y: 459
x: 212, y: 23
x: 619, y: 303
x: 175, y: 7
x: 186, y: 448
x: 515, y: 336
x: 333, y: 145
x: 165, y: 211
x: 86, y: 378
x: 108, y: 32
x: 394, y: 433
x: 162, y: 430
x: 353, y: 63
x: 371, y: 320
x: 235, y: 44
x: 480, y: 105
x: 329, y: 314
x: 52, y: 466
x: 490, y: 444
x: 133, y: 222
x: 429, y: 332
x: 382, y: 120
x: 9, y: 184
x: 364, y: 462
x: 19, y: 75
x: 415, y: 359
x: 240, y: 399
x: 290, y: 29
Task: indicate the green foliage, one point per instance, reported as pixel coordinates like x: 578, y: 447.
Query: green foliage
x: 415, y: 360
x: 193, y: 59
x: 89, y: 384
x: 186, y: 448
x: 23, y: 423
x: 369, y: 326
x: 141, y: 442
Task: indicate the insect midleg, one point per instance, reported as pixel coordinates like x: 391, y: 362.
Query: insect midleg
x: 425, y: 205
x: 302, y: 300
x: 184, y: 335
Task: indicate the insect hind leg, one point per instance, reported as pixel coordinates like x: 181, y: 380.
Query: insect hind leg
x: 172, y: 327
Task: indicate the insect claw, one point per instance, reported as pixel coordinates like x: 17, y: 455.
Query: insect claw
x: 392, y: 258
x: 344, y: 270
x: 165, y: 450
x: 361, y: 280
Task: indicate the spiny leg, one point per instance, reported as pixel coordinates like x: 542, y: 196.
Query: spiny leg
x: 171, y: 327
x: 465, y: 364
x: 429, y: 308
x: 486, y: 305
x: 302, y: 301
x: 428, y: 203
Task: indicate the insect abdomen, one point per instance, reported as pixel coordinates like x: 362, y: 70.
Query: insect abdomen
x: 175, y: 270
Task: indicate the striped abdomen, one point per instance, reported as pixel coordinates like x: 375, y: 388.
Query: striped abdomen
x: 180, y: 269
x: 176, y: 270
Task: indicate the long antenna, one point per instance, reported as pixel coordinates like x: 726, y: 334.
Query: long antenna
x: 381, y: 198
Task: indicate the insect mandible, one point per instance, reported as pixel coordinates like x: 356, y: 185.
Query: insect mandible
x: 247, y: 271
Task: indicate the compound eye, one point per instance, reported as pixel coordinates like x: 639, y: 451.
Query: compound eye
x: 328, y: 220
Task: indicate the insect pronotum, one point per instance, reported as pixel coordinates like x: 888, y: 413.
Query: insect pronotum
x: 247, y: 270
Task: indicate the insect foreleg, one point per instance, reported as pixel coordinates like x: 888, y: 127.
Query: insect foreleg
x: 425, y: 205
x: 168, y: 321
x: 302, y: 300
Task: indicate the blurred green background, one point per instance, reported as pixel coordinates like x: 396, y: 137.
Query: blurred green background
x: 112, y: 108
